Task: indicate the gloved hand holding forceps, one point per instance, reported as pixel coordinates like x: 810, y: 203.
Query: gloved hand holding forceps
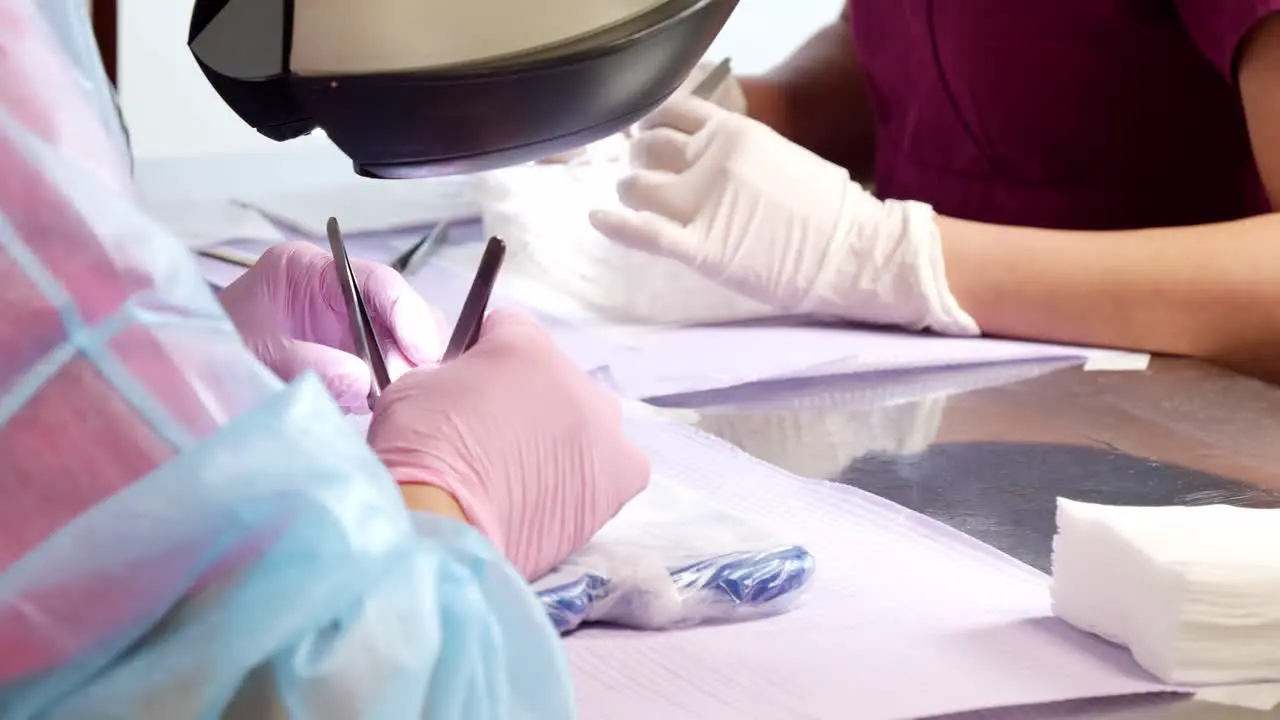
x: 289, y: 309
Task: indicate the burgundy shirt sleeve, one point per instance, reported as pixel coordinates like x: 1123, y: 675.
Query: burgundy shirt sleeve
x: 1218, y: 27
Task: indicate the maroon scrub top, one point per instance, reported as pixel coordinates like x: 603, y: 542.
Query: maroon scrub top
x: 1085, y: 114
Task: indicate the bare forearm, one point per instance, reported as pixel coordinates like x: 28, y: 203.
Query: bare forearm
x: 818, y: 98
x: 430, y: 499
x: 1208, y: 291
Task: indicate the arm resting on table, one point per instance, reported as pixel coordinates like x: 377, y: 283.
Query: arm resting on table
x: 1209, y: 291
x: 818, y: 98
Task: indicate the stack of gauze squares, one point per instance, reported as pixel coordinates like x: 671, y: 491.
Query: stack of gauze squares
x: 1193, y: 592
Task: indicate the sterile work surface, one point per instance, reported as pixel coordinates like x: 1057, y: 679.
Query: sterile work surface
x: 987, y: 451
x: 906, y: 617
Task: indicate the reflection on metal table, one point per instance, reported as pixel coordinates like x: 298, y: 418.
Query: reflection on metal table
x: 988, y: 450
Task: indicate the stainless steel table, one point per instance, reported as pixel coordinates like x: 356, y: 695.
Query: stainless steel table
x: 988, y: 450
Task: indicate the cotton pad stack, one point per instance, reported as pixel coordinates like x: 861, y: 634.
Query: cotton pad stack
x: 1193, y: 592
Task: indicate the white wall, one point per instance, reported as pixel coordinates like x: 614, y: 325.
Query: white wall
x: 171, y: 110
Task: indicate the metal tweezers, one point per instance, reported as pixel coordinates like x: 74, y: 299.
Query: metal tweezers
x: 363, y: 335
x: 409, y: 262
x: 713, y: 80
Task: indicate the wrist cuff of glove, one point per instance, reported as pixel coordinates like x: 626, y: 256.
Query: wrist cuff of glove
x: 885, y: 266
x: 479, y: 515
x: 945, y: 314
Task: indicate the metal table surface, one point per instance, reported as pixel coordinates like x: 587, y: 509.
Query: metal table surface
x: 988, y: 450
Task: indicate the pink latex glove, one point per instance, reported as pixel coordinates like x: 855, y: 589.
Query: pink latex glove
x: 289, y: 309
x: 530, y: 447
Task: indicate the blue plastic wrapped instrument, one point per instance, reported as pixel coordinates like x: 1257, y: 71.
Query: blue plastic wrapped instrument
x: 671, y: 559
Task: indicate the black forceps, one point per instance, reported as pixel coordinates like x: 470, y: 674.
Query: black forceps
x: 363, y: 335
x: 467, y: 331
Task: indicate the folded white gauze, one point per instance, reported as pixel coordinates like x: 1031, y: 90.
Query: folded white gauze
x: 671, y: 559
x: 541, y: 212
x: 1193, y: 592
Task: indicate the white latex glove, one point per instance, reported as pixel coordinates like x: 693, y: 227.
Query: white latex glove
x: 747, y: 208
x: 728, y: 96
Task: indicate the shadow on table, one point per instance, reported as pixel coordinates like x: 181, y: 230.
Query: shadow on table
x: 1005, y: 493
